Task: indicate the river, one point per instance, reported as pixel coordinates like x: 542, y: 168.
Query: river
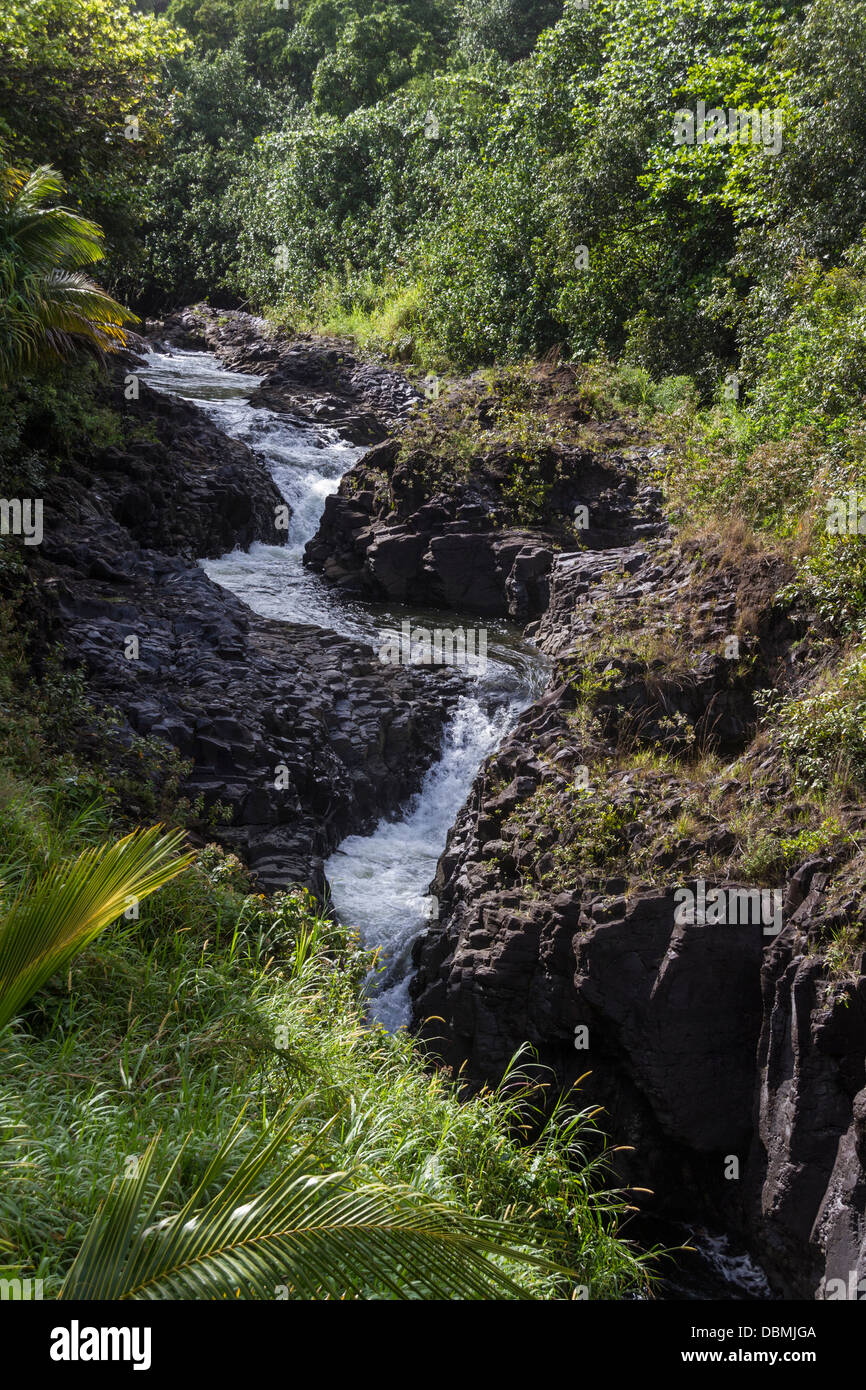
x: 378, y: 882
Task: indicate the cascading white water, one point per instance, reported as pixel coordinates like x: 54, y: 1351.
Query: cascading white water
x: 378, y: 882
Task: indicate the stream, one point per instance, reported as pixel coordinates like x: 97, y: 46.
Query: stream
x: 379, y: 882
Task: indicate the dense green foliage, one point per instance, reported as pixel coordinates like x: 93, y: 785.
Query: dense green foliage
x: 306, y: 1235
x: 333, y: 157
x: 434, y: 149
x: 192, y: 226
x: 45, y: 926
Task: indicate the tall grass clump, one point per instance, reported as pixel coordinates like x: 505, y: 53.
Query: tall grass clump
x: 138, y: 1062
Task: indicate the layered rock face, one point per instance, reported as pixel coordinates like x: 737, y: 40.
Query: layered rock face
x: 476, y: 543
x: 807, y: 1170
x: 293, y: 735
x: 729, y: 1057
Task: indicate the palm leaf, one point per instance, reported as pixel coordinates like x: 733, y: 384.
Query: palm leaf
x: 47, y: 305
x: 46, y: 235
x: 71, y: 305
x: 315, y: 1234
x: 50, y: 922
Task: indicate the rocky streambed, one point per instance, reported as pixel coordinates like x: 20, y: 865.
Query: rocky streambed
x: 618, y: 754
x: 249, y: 702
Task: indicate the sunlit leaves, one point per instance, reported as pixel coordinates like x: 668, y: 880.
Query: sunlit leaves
x: 48, y: 305
x: 48, y: 923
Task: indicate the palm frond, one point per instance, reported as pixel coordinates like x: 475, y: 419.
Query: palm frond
x: 31, y: 190
x: 56, y: 235
x: 47, y: 306
x: 50, y: 922
x: 71, y: 305
x: 46, y: 235
x: 315, y: 1235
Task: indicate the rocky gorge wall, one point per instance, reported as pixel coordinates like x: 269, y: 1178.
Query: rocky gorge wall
x: 705, y: 1044
x: 729, y: 1057
x: 731, y: 1061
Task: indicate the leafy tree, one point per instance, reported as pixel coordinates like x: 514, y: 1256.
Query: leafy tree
x: 488, y: 293
x: 75, y: 78
x: 813, y: 369
x: 810, y: 203
x: 260, y: 29
x: 360, y: 195
x: 583, y: 156
x: 377, y: 53
x: 191, y: 219
x: 508, y: 28
x: 307, y: 45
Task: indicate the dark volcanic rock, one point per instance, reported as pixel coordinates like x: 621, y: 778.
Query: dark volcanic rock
x: 393, y: 531
x: 177, y: 484
x: 729, y: 1063
x: 302, y: 735
x: 807, y: 1174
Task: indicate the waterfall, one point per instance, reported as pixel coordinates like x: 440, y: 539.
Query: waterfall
x: 378, y: 882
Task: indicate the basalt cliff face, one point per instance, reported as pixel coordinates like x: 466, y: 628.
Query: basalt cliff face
x: 729, y: 1055
x: 466, y: 533
x: 730, y: 1058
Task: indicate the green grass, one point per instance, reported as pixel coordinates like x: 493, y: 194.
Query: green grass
x: 381, y: 318
x: 215, y: 1000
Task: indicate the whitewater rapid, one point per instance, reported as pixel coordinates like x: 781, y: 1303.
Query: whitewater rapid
x: 379, y: 882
